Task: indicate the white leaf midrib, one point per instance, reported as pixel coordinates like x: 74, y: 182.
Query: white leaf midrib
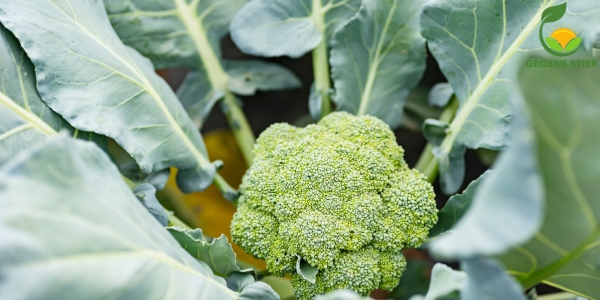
x: 26, y: 115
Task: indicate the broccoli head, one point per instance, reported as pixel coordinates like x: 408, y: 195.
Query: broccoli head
x: 339, y: 195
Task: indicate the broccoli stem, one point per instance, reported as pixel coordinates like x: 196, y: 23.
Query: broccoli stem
x: 321, y: 60
x: 175, y: 221
x: 240, y: 127
x: 217, y: 76
x: 427, y: 164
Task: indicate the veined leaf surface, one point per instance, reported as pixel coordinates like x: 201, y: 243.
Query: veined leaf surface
x: 86, y: 74
x: 297, y: 26
x: 377, y: 58
x: 564, y: 105
x: 511, y: 195
x: 188, y: 33
x: 175, y: 33
x: 456, y: 207
x: 25, y: 120
x: 481, y: 278
x: 479, y: 46
x: 82, y: 194
x: 217, y: 254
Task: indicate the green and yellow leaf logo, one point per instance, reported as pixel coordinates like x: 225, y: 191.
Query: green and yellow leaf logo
x: 563, y: 41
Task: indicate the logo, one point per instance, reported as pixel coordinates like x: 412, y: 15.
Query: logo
x: 563, y: 41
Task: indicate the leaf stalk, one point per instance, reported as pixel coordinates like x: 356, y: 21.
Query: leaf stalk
x: 218, y: 78
x: 321, y: 60
x: 427, y: 163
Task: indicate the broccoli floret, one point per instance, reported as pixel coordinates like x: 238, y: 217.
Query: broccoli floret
x: 339, y: 195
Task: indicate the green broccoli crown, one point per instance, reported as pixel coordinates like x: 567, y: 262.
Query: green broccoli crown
x: 339, y: 195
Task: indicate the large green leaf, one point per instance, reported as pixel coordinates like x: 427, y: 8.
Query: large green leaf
x: 488, y: 280
x: 445, y: 283
x: 72, y: 229
x: 482, y: 278
x: 377, y: 58
x: 188, y: 33
x: 175, y: 33
x: 96, y: 83
x: 292, y: 28
x: 479, y: 46
x: 25, y: 119
x: 564, y: 105
x: 511, y: 195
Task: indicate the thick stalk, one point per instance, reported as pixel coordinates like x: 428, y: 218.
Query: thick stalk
x: 427, y: 163
x: 321, y: 60
x: 217, y: 76
x: 239, y: 125
x: 175, y: 221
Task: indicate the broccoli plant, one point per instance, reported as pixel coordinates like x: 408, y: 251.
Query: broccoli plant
x: 370, y: 190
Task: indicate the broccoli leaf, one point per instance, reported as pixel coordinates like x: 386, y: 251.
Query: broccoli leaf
x: 132, y: 171
x: 488, y: 280
x: 440, y: 94
x: 173, y: 33
x: 188, y: 33
x: 479, y: 47
x: 248, y: 76
x: 482, y: 278
x: 456, y: 207
x: 146, y: 193
x: 276, y: 28
x: 377, y: 58
x: 564, y: 108
x: 25, y: 120
x: 198, y: 97
x: 238, y: 281
x: 108, y: 229
x: 292, y: 28
x: 304, y: 269
x: 445, y: 283
x: 511, y: 195
x: 97, y: 84
x: 435, y: 131
x: 217, y: 254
